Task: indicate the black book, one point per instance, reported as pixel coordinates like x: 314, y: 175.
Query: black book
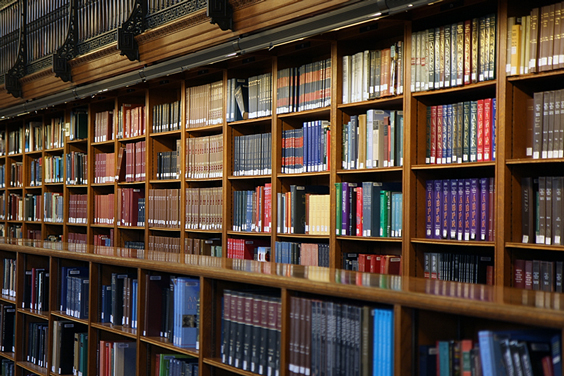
x: 67, y: 340
x: 8, y: 316
x: 116, y: 315
x: 26, y: 301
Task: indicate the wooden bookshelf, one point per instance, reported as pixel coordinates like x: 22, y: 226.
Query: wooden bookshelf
x: 205, y: 100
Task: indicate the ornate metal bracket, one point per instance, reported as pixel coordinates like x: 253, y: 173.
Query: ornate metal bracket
x: 68, y: 50
x: 221, y: 13
x: 12, y: 77
x: 134, y: 26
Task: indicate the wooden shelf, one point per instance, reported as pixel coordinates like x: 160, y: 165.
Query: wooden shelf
x: 473, y: 243
x: 165, y: 344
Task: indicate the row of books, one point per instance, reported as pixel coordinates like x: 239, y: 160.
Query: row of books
x: 327, y: 337
x: 204, y: 157
x: 237, y: 99
x: 133, y: 121
x: 37, y: 343
x: 251, y: 327
x: 33, y: 207
x: 373, y: 140
x: 535, y: 41
x: 169, y: 163
x: 104, y: 126
x: 545, y: 125
x: 104, y: 209
x: 204, y: 208
x: 164, y: 208
x: 538, y: 275
x: 76, y: 169
x: 15, y: 207
x: 15, y: 231
x: 131, y: 162
x: 252, y: 154
x: 541, y: 210
x: 307, y: 149
x: 117, y: 358
x: 104, y: 168
x: 204, y: 105
x: 46, y: 28
x: 16, y: 141
x: 252, y: 209
x: 54, y: 133
x: 303, y: 210
x: 372, y: 74
x: 131, y: 202
x: 460, y: 209
x: 466, y: 268
x: 65, y: 335
x: 106, y: 240
x: 461, y: 132
x: 380, y: 264
x: 16, y: 174
x: 35, y: 172
x: 160, y: 246
x: 249, y: 98
x: 54, y: 167
x: 68, y: 303
x: 308, y: 254
x: 174, y: 311
x: 175, y: 365
x: 119, y: 301
x: 77, y: 238
x: 9, y: 277
x: 166, y: 117
x: 36, y: 289
x: 248, y: 249
x: 34, y: 234
x: 53, y: 207
x: 8, y: 327
x: 369, y: 209
x: 79, y: 124
x: 304, y: 88
x: 206, y: 247
x: 78, y: 208
x: 7, y: 367
x: 454, y: 55
x: 33, y: 136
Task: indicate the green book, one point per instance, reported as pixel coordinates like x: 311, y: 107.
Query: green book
x: 385, y: 214
x: 338, y: 208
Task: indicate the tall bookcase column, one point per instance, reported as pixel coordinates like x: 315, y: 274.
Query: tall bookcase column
x: 404, y: 346
x: 503, y: 216
x: 207, y: 325
x: 336, y: 93
x: 410, y: 202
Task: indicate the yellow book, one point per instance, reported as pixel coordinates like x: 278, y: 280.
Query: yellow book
x: 515, y: 47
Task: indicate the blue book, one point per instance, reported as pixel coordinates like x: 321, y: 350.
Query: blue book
x: 353, y: 146
x: 186, y: 302
x: 437, y: 194
x: 460, y: 210
x: 453, y: 203
x: 106, y: 304
x: 248, y: 211
x: 134, y: 285
x: 445, y: 209
x: 443, y: 349
x: 490, y: 354
x: 429, y: 222
x: 307, y: 146
x: 427, y: 360
x: 494, y: 138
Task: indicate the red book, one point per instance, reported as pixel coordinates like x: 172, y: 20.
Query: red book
x: 375, y: 263
x: 358, y: 211
x: 519, y: 274
x: 480, y: 131
x: 362, y: 258
x: 487, y: 129
x: 267, y: 207
x: 390, y: 264
x: 439, y: 135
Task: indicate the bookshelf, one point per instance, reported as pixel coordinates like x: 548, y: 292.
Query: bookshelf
x: 197, y: 173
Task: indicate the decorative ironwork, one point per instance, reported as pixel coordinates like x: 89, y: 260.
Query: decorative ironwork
x: 68, y: 50
x: 221, y: 13
x: 97, y: 42
x: 134, y: 26
x: 12, y: 77
x: 39, y: 65
x: 174, y: 12
x: 4, y: 3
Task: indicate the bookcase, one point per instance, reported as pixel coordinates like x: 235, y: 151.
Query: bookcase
x: 339, y: 163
